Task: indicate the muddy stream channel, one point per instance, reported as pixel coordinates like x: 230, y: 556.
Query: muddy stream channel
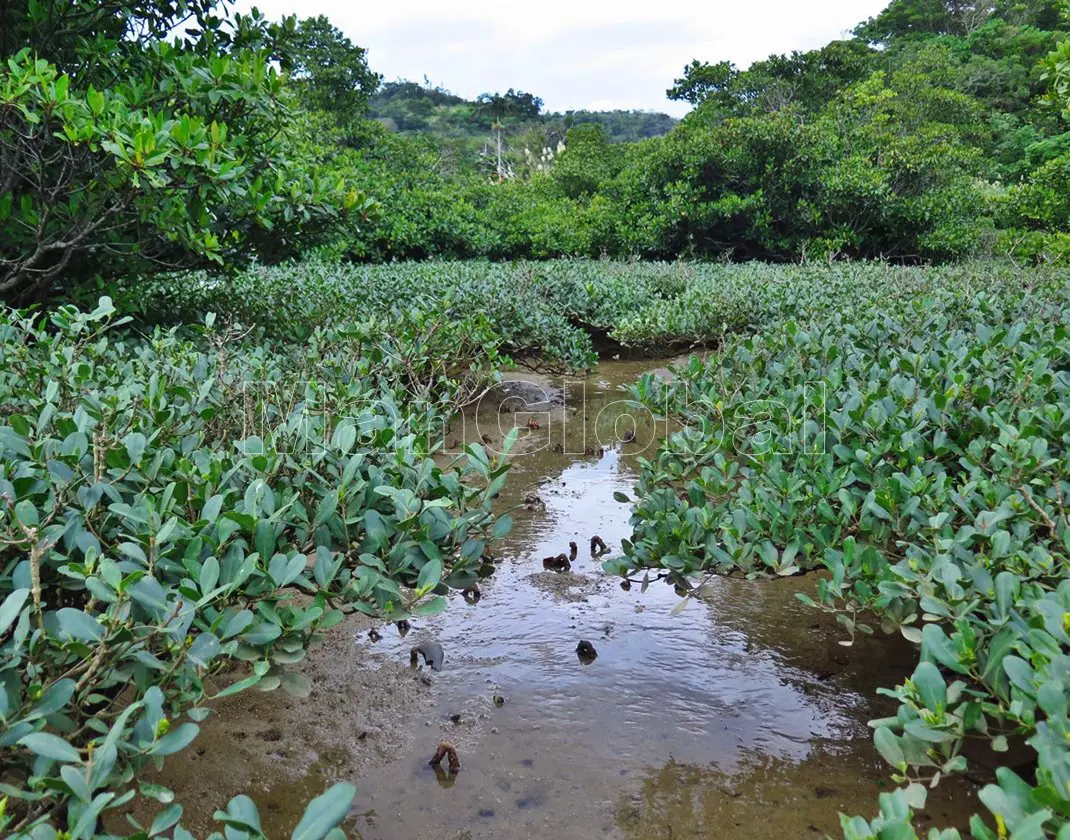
x: 740, y: 717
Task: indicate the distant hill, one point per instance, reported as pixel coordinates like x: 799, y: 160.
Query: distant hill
x: 412, y: 108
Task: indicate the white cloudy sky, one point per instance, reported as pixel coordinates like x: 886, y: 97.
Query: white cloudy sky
x: 575, y: 53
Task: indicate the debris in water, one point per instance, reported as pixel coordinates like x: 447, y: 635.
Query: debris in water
x: 499, y: 701
x: 560, y: 563
x: 448, y: 751
x: 471, y: 594
x: 403, y: 627
x: 573, y: 550
x: 626, y: 585
x: 432, y: 653
x: 455, y: 719
x: 598, y: 546
x: 375, y: 635
x: 533, y: 501
x: 586, y: 652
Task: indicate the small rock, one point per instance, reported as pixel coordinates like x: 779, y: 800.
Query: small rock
x: 586, y: 653
x: 499, y: 701
x: 455, y: 719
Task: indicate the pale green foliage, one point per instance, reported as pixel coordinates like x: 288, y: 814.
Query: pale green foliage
x: 907, y: 432
x: 197, y: 504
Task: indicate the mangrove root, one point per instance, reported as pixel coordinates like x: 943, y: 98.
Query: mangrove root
x: 448, y: 751
x: 432, y: 653
x: 560, y: 563
x: 472, y: 594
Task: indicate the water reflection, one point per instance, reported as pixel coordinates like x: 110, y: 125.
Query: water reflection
x: 769, y: 799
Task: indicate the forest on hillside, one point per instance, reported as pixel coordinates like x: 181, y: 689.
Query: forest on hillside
x: 412, y: 108
x: 249, y: 290
x: 936, y: 133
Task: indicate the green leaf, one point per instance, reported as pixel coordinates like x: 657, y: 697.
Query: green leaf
x: 284, y: 571
x: 209, y: 576
x: 326, y: 508
x: 930, y: 686
x: 429, y: 576
x: 502, y: 526
x: 238, y: 623
x: 86, y: 825
x: 9, y: 610
x: 165, y: 819
x: 937, y: 645
x: 296, y: 685
x: 237, y: 687
x: 135, y: 443
x: 26, y: 513
x: 887, y: 745
x: 1021, y: 675
x: 49, y: 746
x: 211, y: 510
x: 204, y: 648
x: 345, y: 435
x: 75, y: 624
x: 177, y: 739
x: 157, y: 792
x: 325, y: 812
x: 55, y: 697
x: 75, y: 780
x: 265, y: 540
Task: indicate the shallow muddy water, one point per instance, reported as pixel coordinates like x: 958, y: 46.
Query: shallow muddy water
x: 740, y: 717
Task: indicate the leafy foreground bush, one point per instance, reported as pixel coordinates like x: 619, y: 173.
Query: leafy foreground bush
x: 908, y: 433
x: 182, y: 515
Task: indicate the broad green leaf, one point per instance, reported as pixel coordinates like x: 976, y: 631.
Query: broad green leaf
x: 325, y: 812
x: 50, y: 746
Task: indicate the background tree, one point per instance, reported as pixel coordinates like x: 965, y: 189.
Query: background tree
x: 121, y: 152
x: 926, y: 18
x: 702, y: 80
x: 330, y: 71
x: 500, y: 106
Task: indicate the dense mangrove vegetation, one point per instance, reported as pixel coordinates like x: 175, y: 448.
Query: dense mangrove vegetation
x: 246, y: 286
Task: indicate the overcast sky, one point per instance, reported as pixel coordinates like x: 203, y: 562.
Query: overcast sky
x: 597, y: 54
